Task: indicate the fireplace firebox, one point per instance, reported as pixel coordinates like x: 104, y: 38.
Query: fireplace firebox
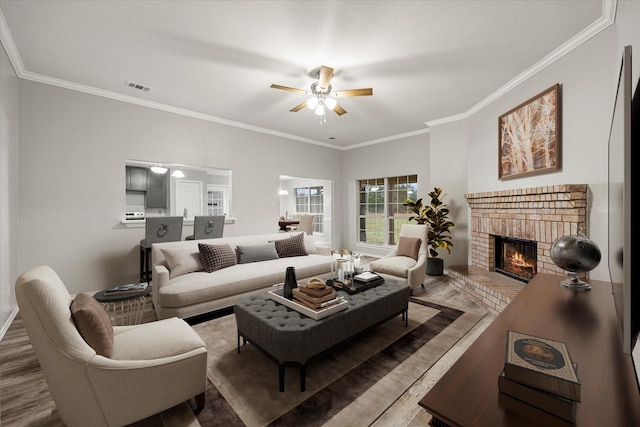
x: 516, y: 258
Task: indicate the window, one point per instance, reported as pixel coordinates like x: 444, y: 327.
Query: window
x: 216, y: 200
x: 381, y: 213
x: 310, y: 200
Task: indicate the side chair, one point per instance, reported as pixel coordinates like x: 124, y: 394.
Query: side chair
x: 103, y: 375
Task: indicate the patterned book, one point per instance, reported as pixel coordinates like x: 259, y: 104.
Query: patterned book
x: 541, y: 363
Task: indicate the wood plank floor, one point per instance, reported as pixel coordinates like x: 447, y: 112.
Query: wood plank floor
x: 25, y: 400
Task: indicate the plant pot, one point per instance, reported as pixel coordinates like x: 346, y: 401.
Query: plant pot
x: 435, y: 266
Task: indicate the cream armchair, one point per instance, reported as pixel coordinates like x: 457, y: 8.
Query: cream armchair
x: 409, y: 259
x: 153, y: 366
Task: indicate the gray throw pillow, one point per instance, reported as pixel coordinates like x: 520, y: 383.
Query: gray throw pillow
x: 255, y: 253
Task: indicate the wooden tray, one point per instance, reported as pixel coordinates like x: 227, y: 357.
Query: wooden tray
x: 276, y: 295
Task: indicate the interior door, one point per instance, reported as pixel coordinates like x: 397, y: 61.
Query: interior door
x: 189, y: 198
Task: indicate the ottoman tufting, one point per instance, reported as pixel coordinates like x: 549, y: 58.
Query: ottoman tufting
x: 292, y: 339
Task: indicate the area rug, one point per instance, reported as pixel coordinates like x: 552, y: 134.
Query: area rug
x: 352, y: 385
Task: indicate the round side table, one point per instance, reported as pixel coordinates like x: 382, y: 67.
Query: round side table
x: 126, y: 308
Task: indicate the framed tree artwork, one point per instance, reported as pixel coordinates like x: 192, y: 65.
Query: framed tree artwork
x: 529, y: 136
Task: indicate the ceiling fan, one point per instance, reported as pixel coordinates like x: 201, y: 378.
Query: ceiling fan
x: 322, y: 95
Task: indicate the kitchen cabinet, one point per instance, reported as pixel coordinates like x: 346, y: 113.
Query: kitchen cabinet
x: 156, y: 190
x: 136, y: 178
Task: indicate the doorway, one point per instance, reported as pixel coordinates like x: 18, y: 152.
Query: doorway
x: 189, y: 198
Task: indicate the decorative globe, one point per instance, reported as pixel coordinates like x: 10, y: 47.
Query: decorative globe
x: 576, y: 254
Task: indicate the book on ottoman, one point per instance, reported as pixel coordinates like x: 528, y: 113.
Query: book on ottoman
x: 316, y: 292
x: 311, y: 301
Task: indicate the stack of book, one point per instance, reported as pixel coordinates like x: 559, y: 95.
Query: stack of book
x: 368, y: 277
x: 315, y: 298
x: 131, y: 288
x: 539, y: 373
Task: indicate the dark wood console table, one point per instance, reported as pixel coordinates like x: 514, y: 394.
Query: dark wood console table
x: 467, y: 395
x: 285, y: 224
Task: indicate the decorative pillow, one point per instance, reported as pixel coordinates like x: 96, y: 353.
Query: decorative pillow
x: 93, y: 323
x: 310, y: 244
x: 181, y: 261
x: 216, y: 257
x: 254, y: 253
x: 291, y: 246
x: 409, y: 246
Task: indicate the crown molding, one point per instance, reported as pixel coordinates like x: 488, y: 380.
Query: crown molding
x: 608, y: 18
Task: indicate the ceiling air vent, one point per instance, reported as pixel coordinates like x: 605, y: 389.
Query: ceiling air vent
x: 138, y: 86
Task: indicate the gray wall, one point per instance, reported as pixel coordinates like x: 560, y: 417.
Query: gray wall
x: 8, y: 187
x: 589, y: 77
x: 72, y: 152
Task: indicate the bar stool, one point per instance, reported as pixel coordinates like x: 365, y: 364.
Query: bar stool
x: 157, y: 230
x: 207, y: 227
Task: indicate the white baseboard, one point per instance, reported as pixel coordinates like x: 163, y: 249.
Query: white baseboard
x: 5, y: 327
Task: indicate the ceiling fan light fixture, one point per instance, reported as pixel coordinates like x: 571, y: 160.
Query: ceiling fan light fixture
x: 312, y: 103
x: 330, y: 103
x: 320, y: 110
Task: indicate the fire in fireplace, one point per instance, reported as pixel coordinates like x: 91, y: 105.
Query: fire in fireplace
x: 516, y: 258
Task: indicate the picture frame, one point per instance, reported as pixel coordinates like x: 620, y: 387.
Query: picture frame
x: 529, y: 136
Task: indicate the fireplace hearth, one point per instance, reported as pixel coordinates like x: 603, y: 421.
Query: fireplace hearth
x: 516, y: 258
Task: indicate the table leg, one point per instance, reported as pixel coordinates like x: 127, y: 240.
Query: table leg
x: 281, y: 376
x: 303, y: 377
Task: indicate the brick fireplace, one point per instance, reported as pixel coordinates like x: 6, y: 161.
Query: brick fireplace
x: 539, y: 214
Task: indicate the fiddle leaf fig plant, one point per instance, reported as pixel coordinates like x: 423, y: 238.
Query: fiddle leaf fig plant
x: 418, y: 209
x: 436, y: 215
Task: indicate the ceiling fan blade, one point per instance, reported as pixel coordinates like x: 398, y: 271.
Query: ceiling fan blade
x: 339, y: 110
x: 290, y: 89
x: 353, y: 92
x: 298, y: 107
x: 325, y: 77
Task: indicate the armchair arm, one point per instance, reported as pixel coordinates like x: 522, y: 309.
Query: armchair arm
x: 130, y: 390
x: 159, y: 278
x: 393, y: 252
x: 417, y: 273
x: 154, y: 367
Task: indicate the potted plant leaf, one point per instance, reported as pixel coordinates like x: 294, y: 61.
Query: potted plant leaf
x: 436, y: 215
x: 418, y: 209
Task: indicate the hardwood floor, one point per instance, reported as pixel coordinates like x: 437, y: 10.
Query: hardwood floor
x: 25, y: 400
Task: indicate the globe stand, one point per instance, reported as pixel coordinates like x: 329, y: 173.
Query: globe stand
x: 574, y: 283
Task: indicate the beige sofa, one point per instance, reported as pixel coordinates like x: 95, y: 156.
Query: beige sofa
x: 182, y: 288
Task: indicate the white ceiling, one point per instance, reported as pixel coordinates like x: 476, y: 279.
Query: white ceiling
x: 427, y: 61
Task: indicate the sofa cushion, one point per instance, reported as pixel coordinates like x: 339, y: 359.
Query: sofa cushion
x: 216, y: 257
x: 291, y: 246
x: 395, y: 265
x: 408, y: 246
x: 93, y: 323
x: 182, y: 261
x: 254, y: 253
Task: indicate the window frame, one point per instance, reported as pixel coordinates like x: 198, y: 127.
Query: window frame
x: 313, y: 204
x: 380, y: 216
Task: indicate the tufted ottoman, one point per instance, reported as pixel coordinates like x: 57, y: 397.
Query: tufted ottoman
x: 292, y: 339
